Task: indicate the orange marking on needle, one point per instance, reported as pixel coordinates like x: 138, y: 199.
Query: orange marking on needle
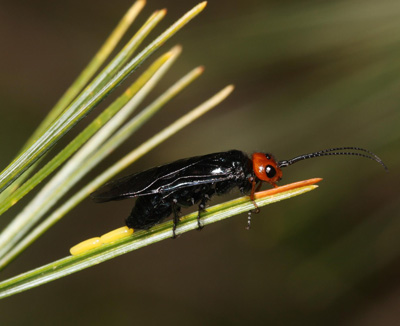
x: 290, y: 186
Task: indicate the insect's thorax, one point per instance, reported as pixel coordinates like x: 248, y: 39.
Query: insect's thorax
x: 242, y: 168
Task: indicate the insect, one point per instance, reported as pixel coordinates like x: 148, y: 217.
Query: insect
x: 165, y: 189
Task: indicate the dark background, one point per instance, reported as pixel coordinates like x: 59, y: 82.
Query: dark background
x: 309, y: 75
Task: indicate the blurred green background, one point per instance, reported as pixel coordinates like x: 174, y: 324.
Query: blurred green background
x: 309, y: 75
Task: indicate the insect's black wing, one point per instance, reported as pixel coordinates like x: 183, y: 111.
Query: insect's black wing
x: 129, y: 186
x: 173, y: 176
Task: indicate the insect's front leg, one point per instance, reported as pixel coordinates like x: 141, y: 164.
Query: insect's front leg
x: 254, y: 188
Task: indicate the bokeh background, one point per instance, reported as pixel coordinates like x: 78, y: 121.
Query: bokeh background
x: 309, y: 75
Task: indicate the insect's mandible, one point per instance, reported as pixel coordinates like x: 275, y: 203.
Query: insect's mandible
x: 164, y: 190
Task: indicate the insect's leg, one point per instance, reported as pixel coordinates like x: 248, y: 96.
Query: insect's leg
x: 175, y: 211
x: 202, y: 208
x: 254, y: 189
x: 248, y: 220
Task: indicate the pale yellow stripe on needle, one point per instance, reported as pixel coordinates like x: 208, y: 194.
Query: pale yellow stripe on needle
x: 116, y: 234
x: 85, y: 246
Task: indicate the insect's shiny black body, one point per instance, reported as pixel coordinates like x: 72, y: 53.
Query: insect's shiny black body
x: 164, y: 190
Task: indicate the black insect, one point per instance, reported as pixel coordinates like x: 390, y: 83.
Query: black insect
x: 165, y: 189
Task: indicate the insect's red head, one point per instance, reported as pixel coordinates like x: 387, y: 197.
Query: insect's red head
x: 266, y: 168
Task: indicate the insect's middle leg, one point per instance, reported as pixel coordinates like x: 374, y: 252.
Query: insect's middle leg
x: 202, y: 208
x: 176, y: 211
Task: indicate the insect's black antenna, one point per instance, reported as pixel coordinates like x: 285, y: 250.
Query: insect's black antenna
x: 333, y: 151
x: 357, y: 149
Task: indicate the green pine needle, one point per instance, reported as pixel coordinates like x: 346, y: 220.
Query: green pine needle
x: 86, y: 102
x: 72, y: 264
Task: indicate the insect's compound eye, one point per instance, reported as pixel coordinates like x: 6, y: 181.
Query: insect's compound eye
x: 270, y: 171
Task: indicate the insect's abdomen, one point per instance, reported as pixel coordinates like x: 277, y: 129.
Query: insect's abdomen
x: 148, y: 211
